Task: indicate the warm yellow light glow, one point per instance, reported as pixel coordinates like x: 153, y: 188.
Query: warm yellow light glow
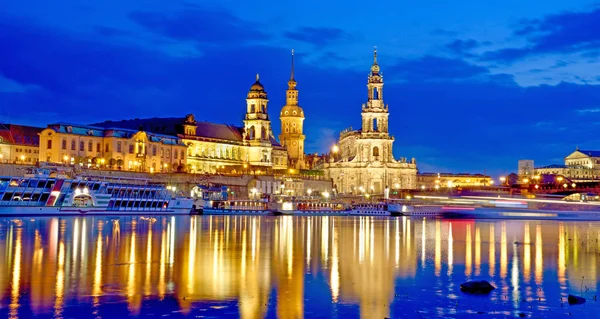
x: 335, y: 149
x: 525, y: 180
x: 559, y: 178
x: 573, y: 185
x: 502, y: 178
x: 537, y: 186
x: 22, y: 158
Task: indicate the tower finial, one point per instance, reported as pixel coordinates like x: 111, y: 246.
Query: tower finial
x: 375, y: 55
x: 257, y: 77
x: 292, y: 74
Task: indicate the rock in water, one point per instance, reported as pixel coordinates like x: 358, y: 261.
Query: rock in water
x: 477, y: 287
x: 576, y: 300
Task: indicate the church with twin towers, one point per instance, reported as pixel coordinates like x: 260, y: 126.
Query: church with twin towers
x: 362, y: 161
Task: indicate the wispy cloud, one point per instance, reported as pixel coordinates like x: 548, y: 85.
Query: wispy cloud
x: 566, y: 32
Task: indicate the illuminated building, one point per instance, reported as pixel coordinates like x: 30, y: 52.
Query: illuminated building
x: 19, y: 144
x: 364, y: 157
x: 114, y: 148
x: 292, y: 118
x: 448, y: 180
x: 580, y: 165
x: 214, y: 148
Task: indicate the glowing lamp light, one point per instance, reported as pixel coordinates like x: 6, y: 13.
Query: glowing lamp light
x: 437, y: 186
x: 335, y: 149
x: 526, y: 180
x: 326, y: 194
x: 573, y: 185
x: 309, y: 191
x: 22, y: 158
x: 537, y: 186
x: 423, y: 187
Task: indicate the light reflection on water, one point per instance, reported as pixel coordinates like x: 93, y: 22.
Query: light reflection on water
x: 293, y: 267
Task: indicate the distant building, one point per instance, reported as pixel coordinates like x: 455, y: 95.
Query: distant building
x: 525, y: 168
x: 114, y: 148
x: 364, y: 159
x: 579, y: 165
x: 19, y: 144
x: 450, y: 180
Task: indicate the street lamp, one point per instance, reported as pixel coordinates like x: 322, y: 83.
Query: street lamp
x: 502, y: 179
x: 23, y: 158
x: 326, y: 195
x: 309, y: 191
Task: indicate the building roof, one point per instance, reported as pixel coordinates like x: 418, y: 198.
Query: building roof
x: 552, y: 166
x: 98, y: 131
x: 590, y: 153
x: 174, y: 126
x: 20, y: 134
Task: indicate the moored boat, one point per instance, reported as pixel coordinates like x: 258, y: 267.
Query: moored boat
x: 311, y: 208
x: 39, y: 194
x: 378, y: 209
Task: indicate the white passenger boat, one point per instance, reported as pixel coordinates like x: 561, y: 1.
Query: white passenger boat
x: 40, y: 194
x: 378, y: 209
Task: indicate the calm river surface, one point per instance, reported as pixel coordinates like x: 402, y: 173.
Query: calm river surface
x: 294, y: 267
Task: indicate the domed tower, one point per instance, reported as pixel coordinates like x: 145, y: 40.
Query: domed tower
x: 292, y: 119
x: 257, y: 126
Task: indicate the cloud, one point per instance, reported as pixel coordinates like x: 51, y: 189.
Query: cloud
x: 433, y: 68
x: 566, y: 32
x: 201, y: 25
x: 318, y: 36
x: 464, y: 47
x: 587, y: 111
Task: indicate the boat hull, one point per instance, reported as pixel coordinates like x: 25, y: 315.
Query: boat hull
x: 212, y: 211
x: 78, y: 211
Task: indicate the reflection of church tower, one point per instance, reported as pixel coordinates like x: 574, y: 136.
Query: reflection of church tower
x: 375, y: 118
x: 292, y: 118
x: 256, y: 124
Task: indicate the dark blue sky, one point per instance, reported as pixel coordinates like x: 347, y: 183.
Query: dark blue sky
x: 471, y: 85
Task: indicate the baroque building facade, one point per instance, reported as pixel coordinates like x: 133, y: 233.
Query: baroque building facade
x: 19, y: 144
x: 113, y: 148
x: 364, y: 161
x: 213, y: 148
x: 292, y: 122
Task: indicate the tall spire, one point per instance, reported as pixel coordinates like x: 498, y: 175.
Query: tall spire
x: 257, y: 77
x: 375, y: 66
x: 375, y: 55
x: 292, y: 75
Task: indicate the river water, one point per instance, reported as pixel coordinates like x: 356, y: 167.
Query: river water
x: 294, y: 267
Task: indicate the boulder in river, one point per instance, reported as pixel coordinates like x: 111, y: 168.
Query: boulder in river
x: 477, y: 287
x: 576, y: 300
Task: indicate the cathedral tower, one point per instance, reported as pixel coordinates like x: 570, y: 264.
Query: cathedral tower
x: 374, y: 134
x: 257, y: 126
x: 292, y: 118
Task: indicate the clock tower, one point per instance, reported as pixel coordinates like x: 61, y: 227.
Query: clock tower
x: 292, y: 119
